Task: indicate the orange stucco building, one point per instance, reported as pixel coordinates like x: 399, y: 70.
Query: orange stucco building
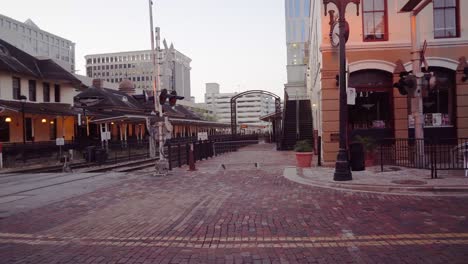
x: 378, y: 50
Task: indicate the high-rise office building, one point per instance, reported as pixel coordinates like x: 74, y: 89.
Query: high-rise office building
x: 31, y: 39
x: 137, y: 66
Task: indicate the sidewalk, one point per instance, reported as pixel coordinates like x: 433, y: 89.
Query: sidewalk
x: 394, y: 180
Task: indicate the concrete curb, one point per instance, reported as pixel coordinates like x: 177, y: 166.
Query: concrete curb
x: 292, y: 174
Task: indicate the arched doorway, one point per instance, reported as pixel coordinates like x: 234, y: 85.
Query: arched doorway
x: 372, y: 115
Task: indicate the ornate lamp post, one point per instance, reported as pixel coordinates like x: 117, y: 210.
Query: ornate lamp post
x: 342, y: 170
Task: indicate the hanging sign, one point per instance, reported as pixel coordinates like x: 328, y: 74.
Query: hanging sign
x: 351, y: 96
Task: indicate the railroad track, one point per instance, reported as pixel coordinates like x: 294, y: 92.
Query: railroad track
x: 140, y: 163
x: 126, y: 167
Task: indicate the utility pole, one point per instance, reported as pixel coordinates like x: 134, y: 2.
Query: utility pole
x: 152, y: 140
x: 415, y: 7
x: 161, y: 164
x: 417, y: 100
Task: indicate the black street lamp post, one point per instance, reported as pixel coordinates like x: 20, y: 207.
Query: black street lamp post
x: 23, y: 101
x: 342, y: 168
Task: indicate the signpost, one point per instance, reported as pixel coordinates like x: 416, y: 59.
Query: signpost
x: 202, y: 136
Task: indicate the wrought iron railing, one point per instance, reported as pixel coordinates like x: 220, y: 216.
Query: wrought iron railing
x: 179, y: 153
x: 435, y: 154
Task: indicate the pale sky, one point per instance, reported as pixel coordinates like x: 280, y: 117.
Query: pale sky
x: 239, y: 44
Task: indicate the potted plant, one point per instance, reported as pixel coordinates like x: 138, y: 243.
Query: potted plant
x: 369, y: 147
x: 304, y: 153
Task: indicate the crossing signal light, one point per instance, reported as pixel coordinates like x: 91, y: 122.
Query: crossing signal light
x: 173, y: 97
x: 407, y: 84
x: 163, y: 96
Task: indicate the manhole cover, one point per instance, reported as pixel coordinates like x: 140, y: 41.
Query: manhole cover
x: 410, y: 182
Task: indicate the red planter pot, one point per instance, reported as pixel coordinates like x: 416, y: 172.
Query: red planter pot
x: 304, y: 159
x: 370, y: 159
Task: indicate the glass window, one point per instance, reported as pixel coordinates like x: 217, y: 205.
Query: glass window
x: 439, y: 102
x: 46, y: 92
x: 297, y: 7
x: 32, y: 90
x: 307, y: 8
x: 446, y: 19
x: 375, y: 20
x: 291, y: 8
x: 16, y: 88
x: 57, y: 93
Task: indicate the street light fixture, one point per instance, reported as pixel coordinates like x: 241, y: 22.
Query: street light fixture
x: 23, y: 101
x: 342, y: 169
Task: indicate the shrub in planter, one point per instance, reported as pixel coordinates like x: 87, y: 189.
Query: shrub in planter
x: 304, y: 153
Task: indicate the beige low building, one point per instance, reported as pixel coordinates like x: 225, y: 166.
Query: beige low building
x: 36, y: 98
x: 378, y: 50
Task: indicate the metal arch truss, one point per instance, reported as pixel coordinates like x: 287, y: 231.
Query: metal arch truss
x: 276, y: 123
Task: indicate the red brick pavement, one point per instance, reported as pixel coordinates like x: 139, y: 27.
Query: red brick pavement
x: 238, y: 215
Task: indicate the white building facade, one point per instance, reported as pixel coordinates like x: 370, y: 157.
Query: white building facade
x: 137, y: 66
x: 249, y: 108
x: 31, y: 39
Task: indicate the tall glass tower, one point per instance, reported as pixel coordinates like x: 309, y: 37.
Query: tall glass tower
x: 297, y: 30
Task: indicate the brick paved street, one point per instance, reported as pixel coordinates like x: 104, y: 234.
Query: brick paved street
x: 241, y: 214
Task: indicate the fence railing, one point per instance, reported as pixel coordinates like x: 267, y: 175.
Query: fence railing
x: 178, y: 153
x: 18, y: 154
x: 434, y: 155
x: 118, y: 151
